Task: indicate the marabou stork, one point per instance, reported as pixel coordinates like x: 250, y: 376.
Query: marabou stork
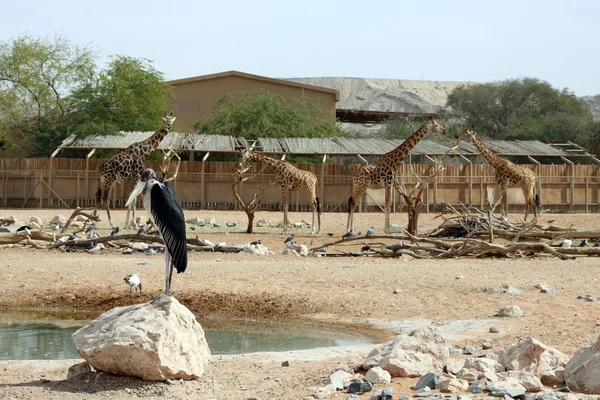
x: 166, y: 214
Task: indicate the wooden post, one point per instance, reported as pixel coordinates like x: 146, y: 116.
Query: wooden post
x: 572, y: 183
x: 481, y: 196
x: 77, y: 189
x: 5, y: 188
x: 322, y: 183
x: 587, y: 201
x: 50, y: 181
x: 41, y: 195
x: 87, y: 177
x: 202, y: 180
x: 427, y: 198
x: 25, y: 186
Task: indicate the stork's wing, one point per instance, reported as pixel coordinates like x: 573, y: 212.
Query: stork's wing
x: 168, y: 217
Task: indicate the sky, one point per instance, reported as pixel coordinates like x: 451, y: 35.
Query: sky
x: 478, y: 41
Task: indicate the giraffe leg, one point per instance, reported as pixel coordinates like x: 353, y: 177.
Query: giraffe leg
x: 504, y: 193
x: 284, y: 204
x: 106, y: 186
x: 352, y: 202
x: 388, y: 200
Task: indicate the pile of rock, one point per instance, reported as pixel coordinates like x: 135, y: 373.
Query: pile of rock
x: 528, y: 369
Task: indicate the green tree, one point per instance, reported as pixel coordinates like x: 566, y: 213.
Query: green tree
x: 128, y: 95
x: 526, y: 108
x: 37, y: 76
x: 266, y: 114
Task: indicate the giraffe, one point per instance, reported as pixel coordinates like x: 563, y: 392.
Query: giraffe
x: 382, y: 174
x: 289, y: 178
x: 508, y: 175
x: 129, y: 164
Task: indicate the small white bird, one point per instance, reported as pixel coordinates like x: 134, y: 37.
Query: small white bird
x: 62, y: 239
x: 567, y: 243
x: 371, y: 231
x: 206, y: 242
x: 221, y: 244
x: 94, y: 236
x: 505, y: 220
x: 134, y: 282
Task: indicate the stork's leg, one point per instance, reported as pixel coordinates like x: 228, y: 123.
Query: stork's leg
x: 314, y: 211
x: 168, y: 273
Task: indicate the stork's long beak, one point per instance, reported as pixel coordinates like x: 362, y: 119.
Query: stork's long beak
x: 137, y: 190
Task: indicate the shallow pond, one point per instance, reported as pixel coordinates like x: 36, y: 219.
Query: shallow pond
x: 27, y: 335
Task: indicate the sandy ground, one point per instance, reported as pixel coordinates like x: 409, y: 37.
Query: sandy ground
x: 353, y: 294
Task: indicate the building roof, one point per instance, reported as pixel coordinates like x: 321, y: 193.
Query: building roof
x: 341, y: 146
x: 259, y: 78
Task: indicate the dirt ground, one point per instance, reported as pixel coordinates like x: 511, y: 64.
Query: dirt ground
x: 353, y: 294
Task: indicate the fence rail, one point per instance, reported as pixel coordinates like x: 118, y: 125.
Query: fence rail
x: 48, y: 183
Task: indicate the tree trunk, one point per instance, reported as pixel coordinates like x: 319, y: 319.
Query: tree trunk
x: 250, y: 221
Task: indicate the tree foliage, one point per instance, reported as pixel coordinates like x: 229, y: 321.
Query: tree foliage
x: 265, y: 114
x: 50, y: 88
x: 526, y: 108
x: 37, y: 76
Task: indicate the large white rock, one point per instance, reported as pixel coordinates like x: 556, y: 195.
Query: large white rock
x: 526, y: 379
x: 152, y: 341
x: 532, y: 356
x: 59, y: 219
x: 378, y: 375
x: 37, y: 220
x: 477, y: 368
x: 421, y: 351
x: 582, y: 373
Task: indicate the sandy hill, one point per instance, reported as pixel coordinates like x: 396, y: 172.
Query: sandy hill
x: 401, y: 95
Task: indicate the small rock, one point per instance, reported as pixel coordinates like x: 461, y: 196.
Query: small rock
x: 58, y: 219
x: 353, y: 397
x: 487, y: 345
x: 541, y: 285
x: 210, y: 220
x: 424, y: 392
x: 453, y: 385
x: 78, y: 369
x: 477, y: 386
x: 398, y: 291
x: 285, y: 364
x: 469, y: 349
x: 510, y: 311
x: 325, y: 391
x: 461, y: 276
x: 359, y: 386
x: 494, y: 329
x: 339, y: 378
x: 511, y: 290
x: 548, y: 290
x: 378, y: 375
x: 553, y: 377
x: 430, y: 380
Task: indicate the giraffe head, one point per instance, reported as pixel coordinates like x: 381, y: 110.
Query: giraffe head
x: 436, y: 126
x: 464, y: 135
x: 168, y: 120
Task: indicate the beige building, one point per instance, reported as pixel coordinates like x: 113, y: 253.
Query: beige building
x: 196, y: 96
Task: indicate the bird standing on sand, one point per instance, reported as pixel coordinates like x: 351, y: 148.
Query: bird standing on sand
x: 348, y: 234
x: 90, y: 228
x: 167, y: 215
x: 289, y: 238
x: 141, y: 230
x: 114, y: 231
x: 583, y: 243
x: 397, y: 246
x: 371, y: 231
x: 255, y: 243
x: 134, y: 282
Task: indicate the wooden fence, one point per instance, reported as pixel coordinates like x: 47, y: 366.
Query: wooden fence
x: 62, y: 182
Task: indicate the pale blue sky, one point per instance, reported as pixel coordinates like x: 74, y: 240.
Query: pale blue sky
x: 479, y: 41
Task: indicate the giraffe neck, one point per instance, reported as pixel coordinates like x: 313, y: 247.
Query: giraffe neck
x: 492, y: 158
x: 150, y: 144
x: 395, y: 157
x: 270, y: 161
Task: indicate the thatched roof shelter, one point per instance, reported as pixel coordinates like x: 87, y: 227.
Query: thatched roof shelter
x: 337, y: 146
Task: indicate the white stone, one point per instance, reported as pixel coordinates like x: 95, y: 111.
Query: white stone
x: 421, y: 351
x: 263, y: 222
x: 37, y: 220
x: 301, y: 249
x: 81, y: 218
x: 378, y: 375
x: 510, y: 311
x: 478, y: 368
x: 340, y: 378
x: 454, y: 365
x: 59, y: 219
x: 526, y: 379
x: 140, y: 221
x: 532, y: 356
x: 504, y: 384
x: 210, y: 220
x: 255, y: 249
x: 139, y: 246
x: 78, y: 369
x: 76, y: 224
x: 453, y: 386
x: 34, y: 225
x: 582, y: 373
x: 325, y: 391
x: 152, y: 341
x: 195, y: 221
x: 553, y: 377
